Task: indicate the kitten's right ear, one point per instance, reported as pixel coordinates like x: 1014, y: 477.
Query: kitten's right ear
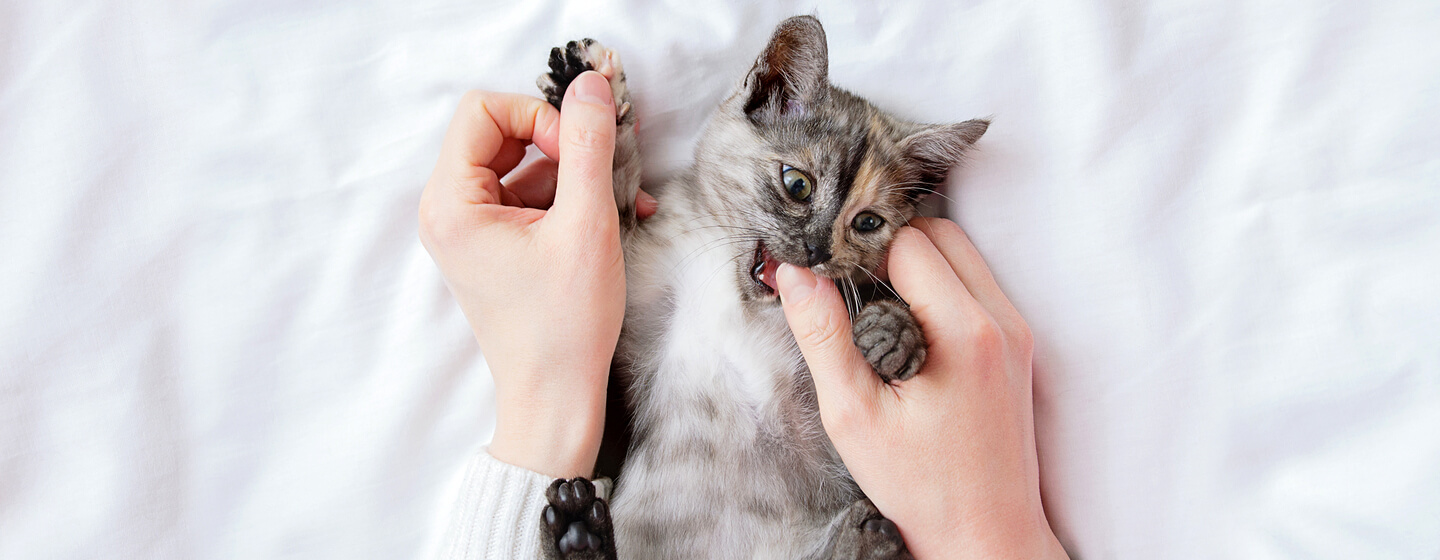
x: 937, y: 148
x: 790, y: 77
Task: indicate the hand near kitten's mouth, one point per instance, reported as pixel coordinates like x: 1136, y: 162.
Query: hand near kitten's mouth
x: 968, y: 413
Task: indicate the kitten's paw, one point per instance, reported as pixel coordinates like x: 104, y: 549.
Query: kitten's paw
x: 890, y: 339
x: 577, y: 57
x: 865, y: 534
x: 577, y: 522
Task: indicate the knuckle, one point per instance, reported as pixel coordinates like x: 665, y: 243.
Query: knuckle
x: 590, y: 138
x: 846, y: 415
x: 430, y: 222
x: 440, y: 230
x: 825, y: 332
x: 985, y: 337
x: 471, y: 97
x: 473, y: 103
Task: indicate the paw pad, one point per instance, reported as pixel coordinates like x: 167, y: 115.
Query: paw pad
x: 865, y: 534
x: 577, y: 57
x: 577, y: 521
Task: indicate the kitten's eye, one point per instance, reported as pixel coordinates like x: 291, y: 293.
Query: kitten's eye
x: 796, y: 182
x: 868, y: 222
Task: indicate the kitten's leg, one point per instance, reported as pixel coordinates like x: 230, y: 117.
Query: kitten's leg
x: 863, y: 534
x: 890, y: 339
x: 577, y: 522
x: 588, y: 54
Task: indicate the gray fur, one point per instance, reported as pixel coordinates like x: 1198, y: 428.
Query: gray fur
x: 890, y: 339
x: 728, y: 457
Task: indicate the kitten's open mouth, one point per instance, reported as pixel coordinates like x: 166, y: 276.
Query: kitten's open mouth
x: 762, y: 269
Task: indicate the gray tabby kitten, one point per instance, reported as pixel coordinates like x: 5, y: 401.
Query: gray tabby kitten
x: 728, y: 458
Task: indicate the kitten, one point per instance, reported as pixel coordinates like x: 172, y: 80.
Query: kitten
x: 728, y: 458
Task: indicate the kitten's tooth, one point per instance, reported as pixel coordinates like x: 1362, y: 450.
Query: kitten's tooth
x: 771, y: 265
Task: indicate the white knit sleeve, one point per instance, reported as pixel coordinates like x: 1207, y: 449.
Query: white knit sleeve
x: 497, y: 513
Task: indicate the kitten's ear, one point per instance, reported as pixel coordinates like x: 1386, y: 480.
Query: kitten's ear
x: 935, y: 149
x: 790, y: 76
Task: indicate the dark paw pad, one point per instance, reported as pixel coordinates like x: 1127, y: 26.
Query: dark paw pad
x: 890, y: 339
x: 565, y: 64
x: 578, y: 57
x: 578, y: 522
x: 865, y: 534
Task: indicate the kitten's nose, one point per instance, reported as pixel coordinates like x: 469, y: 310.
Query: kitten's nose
x: 815, y: 255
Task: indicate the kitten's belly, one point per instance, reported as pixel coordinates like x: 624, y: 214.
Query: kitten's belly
x: 716, y: 510
x: 708, y: 484
x: 730, y: 460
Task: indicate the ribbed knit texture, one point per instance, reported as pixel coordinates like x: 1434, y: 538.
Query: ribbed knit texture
x: 497, y: 514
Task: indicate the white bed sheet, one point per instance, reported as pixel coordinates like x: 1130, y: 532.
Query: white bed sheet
x: 219, y: 337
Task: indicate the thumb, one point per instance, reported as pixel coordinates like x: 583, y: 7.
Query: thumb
x: 816, y: 312
x: 587, y: 149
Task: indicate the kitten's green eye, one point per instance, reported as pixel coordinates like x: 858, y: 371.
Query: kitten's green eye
x: 796, y: 182
x: 868, y: 222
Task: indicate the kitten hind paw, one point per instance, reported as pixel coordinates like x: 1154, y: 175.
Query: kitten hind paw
x: 865, y: 534
x: 577, y: 522
x: 575, y: 58
x: 887, y: 334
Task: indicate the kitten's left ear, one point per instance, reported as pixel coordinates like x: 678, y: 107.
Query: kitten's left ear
x: 791, y: 75
x: 935, y: 149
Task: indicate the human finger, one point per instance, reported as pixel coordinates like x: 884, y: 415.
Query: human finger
x: 587, y: 149
x: 534, y: 184
x: 965, y: 260
x: 482, y: 124
x: 845, y: 384
x: 510, y: 154
x: 937, y: 297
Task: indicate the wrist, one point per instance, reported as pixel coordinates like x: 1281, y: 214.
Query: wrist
x: 1017, y: 536
x: 556, y: 435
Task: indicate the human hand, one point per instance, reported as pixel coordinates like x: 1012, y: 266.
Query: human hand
x: 948, y: 455
x: 535, y: 263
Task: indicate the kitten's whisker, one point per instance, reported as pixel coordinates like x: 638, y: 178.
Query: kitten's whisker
x: 931, y: 191
x: 708, y: 246
x: 856, y: 290
x: 883, y: 285
x: 851, y: 295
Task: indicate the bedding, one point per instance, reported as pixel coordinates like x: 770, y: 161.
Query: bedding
x: 220, y: 337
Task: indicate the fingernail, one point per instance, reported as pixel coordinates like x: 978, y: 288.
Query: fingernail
x: 591, y: 87
x: 794, y: 283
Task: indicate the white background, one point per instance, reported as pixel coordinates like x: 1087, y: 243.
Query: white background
x: 220, y: 338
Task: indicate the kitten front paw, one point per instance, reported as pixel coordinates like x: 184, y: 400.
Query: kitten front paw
x: 576, y: 58
x: 865, y: 534
x: 577, y: 522
x: 890, y: 339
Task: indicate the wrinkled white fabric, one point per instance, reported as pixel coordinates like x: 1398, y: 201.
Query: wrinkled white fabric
x: 219, y: 337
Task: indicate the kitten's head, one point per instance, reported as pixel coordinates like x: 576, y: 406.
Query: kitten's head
x: 811, y: 174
